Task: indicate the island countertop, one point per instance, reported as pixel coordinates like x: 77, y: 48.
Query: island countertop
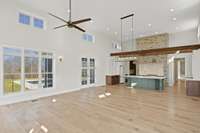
x: 145, y: 77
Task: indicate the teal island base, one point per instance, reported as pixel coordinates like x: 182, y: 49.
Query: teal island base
x: 146, y: 82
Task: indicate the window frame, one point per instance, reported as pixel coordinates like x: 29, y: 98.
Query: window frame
x: 32, y: 16
x: 25, y: 14
x: 3, y: 74
x: 38, y: 18
x: 86, y: 37
x: 84, y: 80
x: 31, y: 73
x: 47, y: 73
x: 23, y: 70
x: 88, y: 69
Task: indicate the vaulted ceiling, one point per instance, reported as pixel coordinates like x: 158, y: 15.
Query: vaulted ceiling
x: 151, y: 16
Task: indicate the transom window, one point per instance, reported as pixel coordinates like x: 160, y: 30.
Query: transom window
x: 88, y: 37
x: 31, y: 20
x: 24, y: 19
x: 38, y: 23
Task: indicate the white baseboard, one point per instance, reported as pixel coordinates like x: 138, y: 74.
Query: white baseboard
x: 31, y: 95
x: 27, y: 96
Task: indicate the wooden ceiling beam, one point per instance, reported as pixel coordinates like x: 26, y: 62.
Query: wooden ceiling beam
x: 159, y: 51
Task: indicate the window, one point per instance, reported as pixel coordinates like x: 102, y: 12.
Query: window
x: 12, y: 70
x: 84, y: 74
x: 85, y: 37
x: 31, y: 63
x: 47, y: 70
x: 25, y: 72
x: 38, y: 23
x: 24, y: 19
x: 89, y: 38
x: 31, y: 20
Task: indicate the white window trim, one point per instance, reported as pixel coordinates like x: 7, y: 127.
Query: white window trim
x: 25, y: 13
x: 88, y: 71
x: 89, y: 34
x: 44, y: 22
x: 2, y: 94
x: 32, y: 16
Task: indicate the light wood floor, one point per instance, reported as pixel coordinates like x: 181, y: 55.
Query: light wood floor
x: 125, y: 111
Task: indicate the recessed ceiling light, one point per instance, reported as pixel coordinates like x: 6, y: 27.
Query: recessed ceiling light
x: 174, y: 19
x: 149, y: 25
x: 68, y: 11
x: 131, y: 29
x: 171, y: 10
x: 116, y: 33
x: 108, y: 29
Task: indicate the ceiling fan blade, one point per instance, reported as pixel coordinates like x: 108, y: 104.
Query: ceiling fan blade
x: 60, y: 26
x: 58, y: 18
x: 78, y: 28
x: 82, y: 21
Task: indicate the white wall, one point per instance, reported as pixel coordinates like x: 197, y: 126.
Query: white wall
x: 179, y: 39
x: 196, y: 64
x: 64, y: 42
x: 196, y: 58
x: 129, y: 45
x: 183, y: 38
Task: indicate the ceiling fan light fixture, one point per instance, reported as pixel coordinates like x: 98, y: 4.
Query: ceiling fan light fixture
x: 69, y: 23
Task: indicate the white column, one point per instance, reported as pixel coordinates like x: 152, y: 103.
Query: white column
x: 22, y: 72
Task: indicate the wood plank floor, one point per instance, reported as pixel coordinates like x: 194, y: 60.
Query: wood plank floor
x: 125, y: 111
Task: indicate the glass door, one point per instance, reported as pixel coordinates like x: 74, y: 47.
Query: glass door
x: 88, y: 72
x: 92, y: 71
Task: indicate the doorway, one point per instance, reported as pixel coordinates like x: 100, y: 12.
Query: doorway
x: 179, y: 69
x: 132, y: 68
x: 88, y: 73
x: 121, y: 69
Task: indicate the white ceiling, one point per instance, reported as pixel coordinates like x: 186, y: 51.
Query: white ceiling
x: 107, y: 13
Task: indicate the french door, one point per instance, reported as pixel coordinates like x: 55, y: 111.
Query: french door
x: 88, y: 72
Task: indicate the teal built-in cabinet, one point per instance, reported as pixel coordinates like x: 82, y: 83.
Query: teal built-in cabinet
x: 147, y: 82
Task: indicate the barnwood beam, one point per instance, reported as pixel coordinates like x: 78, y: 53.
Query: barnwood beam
x: 159, y: 51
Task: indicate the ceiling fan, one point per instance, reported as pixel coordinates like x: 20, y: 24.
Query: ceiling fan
x: 70, y: 23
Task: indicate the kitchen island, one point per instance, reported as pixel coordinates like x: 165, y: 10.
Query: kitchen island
x: 147, y: 82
